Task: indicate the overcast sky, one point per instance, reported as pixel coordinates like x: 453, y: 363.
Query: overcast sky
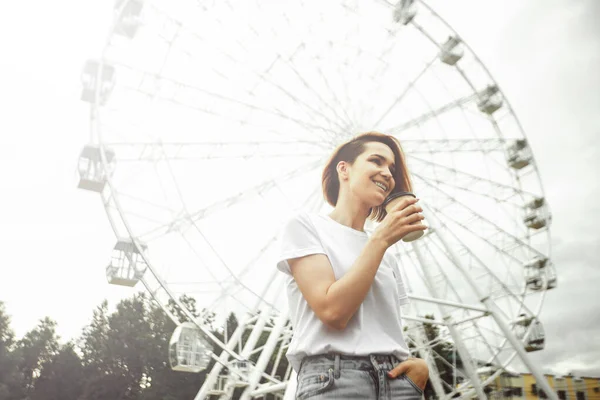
x: 56, y: 240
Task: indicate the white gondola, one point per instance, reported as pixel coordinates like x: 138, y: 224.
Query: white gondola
x: 127, y: 265
x: 537, y: 215
x: 490, y: 100
x: 89, y: 79
x: 536, y: 338
x: 534, y: 272
x: 92, y: 173
x: 129, y: 18
x: 518, y: 155
x: 540, y: 274
x: 220, y: 388
x: 405, y: 11
x: 452, y: 51
x: 189, y: 351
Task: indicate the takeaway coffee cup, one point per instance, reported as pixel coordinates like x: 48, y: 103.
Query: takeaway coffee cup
x: 391, y: 202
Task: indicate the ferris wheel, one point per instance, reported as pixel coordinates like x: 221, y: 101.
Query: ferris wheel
x: 210, y: 124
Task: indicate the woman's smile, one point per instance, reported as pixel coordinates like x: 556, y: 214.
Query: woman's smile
x: 381, y: 186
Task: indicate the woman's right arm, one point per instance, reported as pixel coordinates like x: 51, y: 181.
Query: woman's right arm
x: 335, y: 302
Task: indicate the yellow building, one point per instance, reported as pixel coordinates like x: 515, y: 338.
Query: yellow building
x: 523, y: 386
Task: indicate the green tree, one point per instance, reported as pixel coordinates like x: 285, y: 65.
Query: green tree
x: 93, y: 343
x: 37, y: 347
x: 125, y: 353
x: 61, y: 378
x: 113, y: 349
x: 11, y: 379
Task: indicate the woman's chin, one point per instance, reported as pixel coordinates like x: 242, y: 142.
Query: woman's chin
x: 378, y: 201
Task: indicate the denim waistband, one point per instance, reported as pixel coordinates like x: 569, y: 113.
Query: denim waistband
x: 337, y: 362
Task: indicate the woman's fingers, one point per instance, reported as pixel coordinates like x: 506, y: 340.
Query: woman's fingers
x: 415, y: 217
x: 415, y: 368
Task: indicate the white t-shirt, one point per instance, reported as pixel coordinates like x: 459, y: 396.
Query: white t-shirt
x: 375, y: 328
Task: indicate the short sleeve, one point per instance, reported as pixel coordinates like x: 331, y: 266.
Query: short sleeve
x: 402, y: 294
x: 298, y: 238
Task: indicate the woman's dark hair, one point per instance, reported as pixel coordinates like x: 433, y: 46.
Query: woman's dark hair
x: 348, y: 152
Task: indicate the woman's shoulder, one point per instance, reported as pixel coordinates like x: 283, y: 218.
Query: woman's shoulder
x: 303, y: 216
x: 301, y: 220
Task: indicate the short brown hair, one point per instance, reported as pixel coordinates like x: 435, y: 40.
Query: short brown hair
x: 348, y: 152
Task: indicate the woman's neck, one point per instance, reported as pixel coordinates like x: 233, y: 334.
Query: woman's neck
x: 351, y: 214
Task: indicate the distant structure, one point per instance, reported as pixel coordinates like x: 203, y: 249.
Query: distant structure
x: 524, y: 386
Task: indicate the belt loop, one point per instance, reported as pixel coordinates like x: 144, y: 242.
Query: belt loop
x: 336, y: 366
x: 374, y: 361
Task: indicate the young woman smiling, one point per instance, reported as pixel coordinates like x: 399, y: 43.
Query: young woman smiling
x: 344, y: 289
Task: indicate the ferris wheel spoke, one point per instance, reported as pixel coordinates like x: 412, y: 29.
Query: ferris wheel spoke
x: 494, y: 281
x: 146, y: 202
x: 338, y: 122
x: 428, y: 241
x: 432, y: 114
x: 487, y: 240
x: 260, y: 75
x: 335, y: 97
x: 187, y: 219
x: 323, y: 102
x: 499, y: 233
x: 205, y: 98
x: 239, y: 284
x: 404, y: 92
x: 430, y: 146
x: 254, y: 259
x: 472, y: 183
x: 279, y: 57
x: 156, y: 151
x: 454, y: 304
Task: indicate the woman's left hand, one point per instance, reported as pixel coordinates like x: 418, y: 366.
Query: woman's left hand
x: 415, y: 368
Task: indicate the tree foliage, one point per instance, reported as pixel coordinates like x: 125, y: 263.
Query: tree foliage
x: 122, y: 354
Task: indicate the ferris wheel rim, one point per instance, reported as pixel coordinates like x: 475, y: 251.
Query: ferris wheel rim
x: 121, y: 213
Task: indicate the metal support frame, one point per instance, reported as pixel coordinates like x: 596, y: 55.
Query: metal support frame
x: 460, y: 346
x: 491, y: 307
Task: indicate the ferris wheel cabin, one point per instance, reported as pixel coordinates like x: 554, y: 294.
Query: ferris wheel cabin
x: 536, y: 338
x: 127, y: 265
x: 490, y: 100
x: 129, y: 18
x: 452, y: 51
x: 188, y: 350
x: 537, y: 215
x: 519, y: 154
x: 97, y: 76
x: 540, y: 274
x: 405, y: 11
x: 92, y: 173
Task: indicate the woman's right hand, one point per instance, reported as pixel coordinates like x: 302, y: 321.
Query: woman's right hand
x: 403, y: 219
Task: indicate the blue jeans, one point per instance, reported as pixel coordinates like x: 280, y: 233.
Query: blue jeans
x: 334, y: 376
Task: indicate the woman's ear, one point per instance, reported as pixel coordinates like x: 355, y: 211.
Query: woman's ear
x: 342, y: 170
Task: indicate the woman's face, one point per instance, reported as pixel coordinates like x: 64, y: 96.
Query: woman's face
x: 371, y: 178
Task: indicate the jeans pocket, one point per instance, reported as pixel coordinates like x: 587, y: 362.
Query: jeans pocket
x: 312, y: 384
x: 417, y: 388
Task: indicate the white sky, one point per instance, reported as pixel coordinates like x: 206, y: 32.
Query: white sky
x: 56, y: 240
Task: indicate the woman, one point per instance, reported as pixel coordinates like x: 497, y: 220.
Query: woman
x: 344, y: 290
